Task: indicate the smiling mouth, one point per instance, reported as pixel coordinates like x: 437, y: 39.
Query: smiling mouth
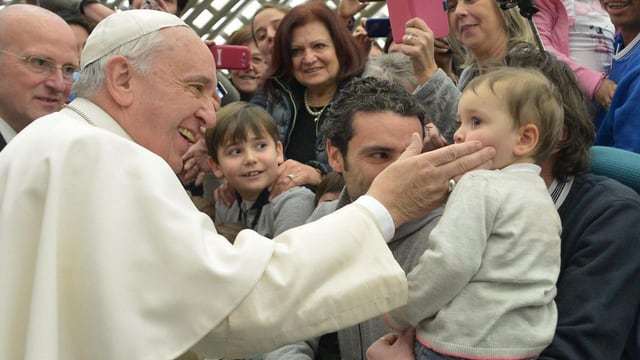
x: 312, y: 70
x: 616, y: 4
x: 49, y: 100
x: 187, y: 134
x: 252, y: 173
x: 464, y: 28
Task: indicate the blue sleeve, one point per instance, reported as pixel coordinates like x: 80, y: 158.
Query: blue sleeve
x: 621, y: 124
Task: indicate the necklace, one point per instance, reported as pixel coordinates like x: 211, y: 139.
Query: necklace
x: 315, y: 114
x: 82, y: 115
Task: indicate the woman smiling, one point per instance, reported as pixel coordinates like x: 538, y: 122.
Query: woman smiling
x: 314, y: 55
x: 481, y: 31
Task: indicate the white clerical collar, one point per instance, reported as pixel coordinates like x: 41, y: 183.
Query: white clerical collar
x: 6, y: 131
x: 94, y: 115
x: 559, y: 191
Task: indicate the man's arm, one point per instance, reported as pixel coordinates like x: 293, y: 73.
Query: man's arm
x: 318, y: 279
x: 621, y: 122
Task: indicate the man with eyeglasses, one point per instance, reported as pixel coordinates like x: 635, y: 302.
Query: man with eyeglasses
x: 38, y: 55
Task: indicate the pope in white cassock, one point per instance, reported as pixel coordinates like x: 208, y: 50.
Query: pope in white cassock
x: 104, y: 256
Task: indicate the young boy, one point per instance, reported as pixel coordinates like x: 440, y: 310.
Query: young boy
x: 484, y: 288
x: 244, y: 149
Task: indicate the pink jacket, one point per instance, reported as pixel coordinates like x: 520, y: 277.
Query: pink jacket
x: 553, y: 23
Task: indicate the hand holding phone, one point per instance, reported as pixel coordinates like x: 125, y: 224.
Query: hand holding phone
x: 433, y: 12
x: 231, y: 57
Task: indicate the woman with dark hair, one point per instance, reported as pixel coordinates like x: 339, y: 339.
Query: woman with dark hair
x: 314, y: 55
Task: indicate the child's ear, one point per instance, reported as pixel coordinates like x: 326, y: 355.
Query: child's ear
x: 527, y: 141
x: 335, y: 158
x: 280, y: 151
x: 215, y: 168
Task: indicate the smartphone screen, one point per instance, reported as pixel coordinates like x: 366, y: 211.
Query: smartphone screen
x: 222, y: 92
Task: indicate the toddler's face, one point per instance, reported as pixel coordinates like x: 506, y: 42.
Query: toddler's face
x: 483, y: 116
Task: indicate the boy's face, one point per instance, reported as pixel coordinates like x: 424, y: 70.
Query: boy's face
x: 250, y: 166
x: 483, y: 116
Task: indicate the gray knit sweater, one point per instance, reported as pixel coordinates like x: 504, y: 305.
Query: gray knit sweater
x: 485, y: 285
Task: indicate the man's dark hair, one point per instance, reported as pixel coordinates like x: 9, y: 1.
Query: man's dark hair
x: 366, y: 94
x: 573, y: 156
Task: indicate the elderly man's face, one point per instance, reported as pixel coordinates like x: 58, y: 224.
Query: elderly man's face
x: 176, y: 99
x: 379, y: 138
x: 26, y: 95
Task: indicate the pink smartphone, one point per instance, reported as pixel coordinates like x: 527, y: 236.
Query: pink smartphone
x: 231, y: 57
x: 433, y: 12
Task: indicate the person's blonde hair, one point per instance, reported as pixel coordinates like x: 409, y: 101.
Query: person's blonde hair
x: 517, y: 27
x: 530, y: 98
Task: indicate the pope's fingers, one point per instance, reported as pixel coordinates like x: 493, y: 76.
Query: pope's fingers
x: 481, y: 159
x: 450, y: 153
x: 414, y: 148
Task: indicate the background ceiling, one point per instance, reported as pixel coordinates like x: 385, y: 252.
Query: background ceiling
x: 217, y: 19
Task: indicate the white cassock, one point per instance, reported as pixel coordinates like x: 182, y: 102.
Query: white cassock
x: 104, y: 256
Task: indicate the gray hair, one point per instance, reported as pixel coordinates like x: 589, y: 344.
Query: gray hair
x: 140, y: 52
x: 395, y: 67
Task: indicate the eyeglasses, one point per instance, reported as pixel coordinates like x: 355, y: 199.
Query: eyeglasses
x: 40, y: 65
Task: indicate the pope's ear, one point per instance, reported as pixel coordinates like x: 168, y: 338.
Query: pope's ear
x: 119, y: 80
x: 527, y: 141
